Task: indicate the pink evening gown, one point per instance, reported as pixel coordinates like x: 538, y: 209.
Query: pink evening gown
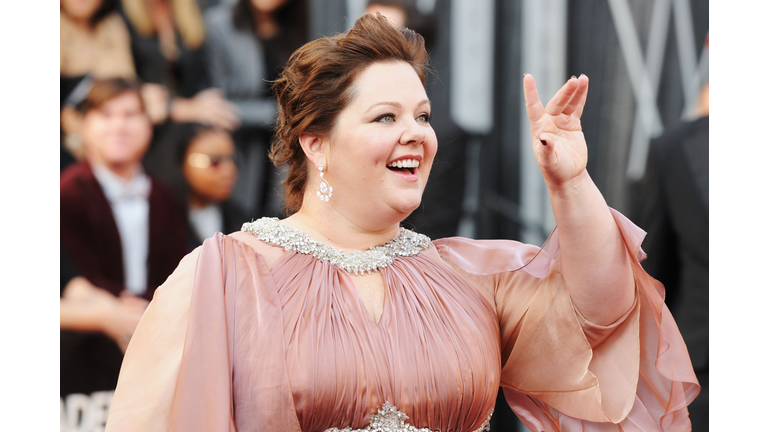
x: 264, y: 330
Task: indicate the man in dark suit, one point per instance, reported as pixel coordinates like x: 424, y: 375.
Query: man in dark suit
x: 122, y: 229
x: 90, y: 233
x: 124, y: 232
x: 673, y: 207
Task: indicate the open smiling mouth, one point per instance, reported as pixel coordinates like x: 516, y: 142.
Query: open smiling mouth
x: 407, y: 165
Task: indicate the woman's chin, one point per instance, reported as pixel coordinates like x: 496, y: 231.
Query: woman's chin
x: 407, y: 206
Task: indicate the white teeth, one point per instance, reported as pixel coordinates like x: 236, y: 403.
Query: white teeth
x: 408, y: 163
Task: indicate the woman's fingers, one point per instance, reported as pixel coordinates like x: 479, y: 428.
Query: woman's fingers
x: 532, y: 102
x: 561, y: 99
x: 568, y: 101
x: 576, y: 104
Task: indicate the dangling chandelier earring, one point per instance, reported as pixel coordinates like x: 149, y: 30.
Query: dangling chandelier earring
x: 326, y: 191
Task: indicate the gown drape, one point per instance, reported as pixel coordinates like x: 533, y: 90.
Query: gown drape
x: 246, y: 335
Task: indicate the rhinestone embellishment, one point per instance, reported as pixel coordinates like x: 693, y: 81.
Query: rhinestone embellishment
x: 406, y: 243
x: 326, y: 191
x: 389, y: 419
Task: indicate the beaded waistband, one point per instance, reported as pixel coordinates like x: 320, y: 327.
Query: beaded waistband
x: 389, y: 419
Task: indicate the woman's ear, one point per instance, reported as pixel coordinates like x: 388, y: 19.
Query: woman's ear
x: 313, y: 147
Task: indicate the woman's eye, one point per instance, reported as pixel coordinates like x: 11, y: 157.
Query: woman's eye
x: 424, y: 118
x: 386, y: 118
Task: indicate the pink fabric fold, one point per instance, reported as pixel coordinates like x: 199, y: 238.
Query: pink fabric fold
x: 245, y: 336
x: 563, y: 373
x: 226, y: 381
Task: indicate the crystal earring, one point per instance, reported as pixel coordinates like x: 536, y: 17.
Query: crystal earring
x: 326, y: 191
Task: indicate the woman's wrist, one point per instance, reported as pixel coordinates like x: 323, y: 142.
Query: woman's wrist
x: 573, y: 188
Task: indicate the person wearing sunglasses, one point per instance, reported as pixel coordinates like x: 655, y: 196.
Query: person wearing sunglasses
x: 208, y: 160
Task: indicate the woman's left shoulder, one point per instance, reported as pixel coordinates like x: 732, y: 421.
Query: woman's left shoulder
x: 484, y: 257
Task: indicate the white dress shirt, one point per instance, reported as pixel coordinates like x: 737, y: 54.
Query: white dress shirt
x: 206, y: 221
x: 129, y: 201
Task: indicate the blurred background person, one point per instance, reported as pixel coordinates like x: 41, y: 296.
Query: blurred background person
x: 247, y: 43
x: 111, y: 211
x: 122, y: 230
x: 672, y: 205
x: 203, y: 175
x: 166, y: 38
x: 208, y: 164
x: 94, y: 40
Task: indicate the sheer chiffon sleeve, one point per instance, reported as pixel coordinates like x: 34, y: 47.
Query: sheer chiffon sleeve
x: 145, y: 389
x: 561, y: 372
x: 180, y: 372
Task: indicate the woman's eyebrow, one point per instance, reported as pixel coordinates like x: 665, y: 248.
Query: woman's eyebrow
x: 395, y: 104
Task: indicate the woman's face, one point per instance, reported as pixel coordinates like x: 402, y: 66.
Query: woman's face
x: 382, y: 146
x: 117, y: 133
x: 209, y: 167
x: 80, y: 9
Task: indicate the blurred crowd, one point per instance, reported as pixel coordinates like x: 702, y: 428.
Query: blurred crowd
x: 166, y: 116
x: 166, y: 122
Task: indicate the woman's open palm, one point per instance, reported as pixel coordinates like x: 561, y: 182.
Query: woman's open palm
x: 558, y: 142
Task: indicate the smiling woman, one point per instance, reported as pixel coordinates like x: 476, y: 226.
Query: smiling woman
x: 312, y: 98
x: 337, y: 319
x: 384, y: 125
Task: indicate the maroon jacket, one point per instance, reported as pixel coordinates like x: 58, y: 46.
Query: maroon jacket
x: 90, y: 236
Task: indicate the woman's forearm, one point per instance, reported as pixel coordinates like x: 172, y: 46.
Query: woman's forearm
x: 594, y: 260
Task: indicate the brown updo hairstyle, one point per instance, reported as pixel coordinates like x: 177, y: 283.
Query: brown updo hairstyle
x: 316, y: 85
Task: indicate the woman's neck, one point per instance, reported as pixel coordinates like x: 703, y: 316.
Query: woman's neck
x: 325, y: 224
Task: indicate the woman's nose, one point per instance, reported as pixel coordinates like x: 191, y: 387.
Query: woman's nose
x: 414, y: 133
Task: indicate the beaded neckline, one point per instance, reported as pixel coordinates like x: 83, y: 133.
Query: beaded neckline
x: 406, y: 243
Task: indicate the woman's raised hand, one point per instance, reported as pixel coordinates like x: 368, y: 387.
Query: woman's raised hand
x: 558, y: 142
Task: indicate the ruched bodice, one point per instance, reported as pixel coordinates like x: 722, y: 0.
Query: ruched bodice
x: 433, y: 340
